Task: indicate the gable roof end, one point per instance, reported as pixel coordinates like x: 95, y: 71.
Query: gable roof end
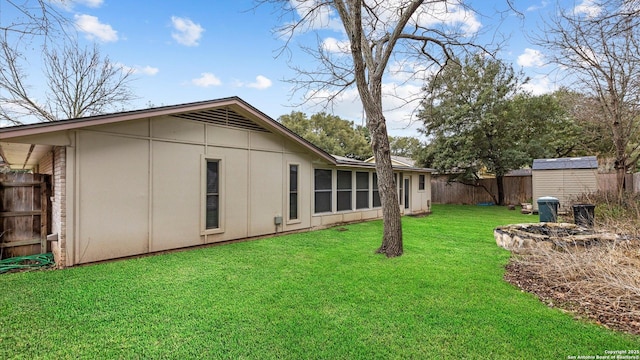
x: 187, y: 110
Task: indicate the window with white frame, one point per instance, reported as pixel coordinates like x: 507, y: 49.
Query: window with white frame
x: 421, y: 180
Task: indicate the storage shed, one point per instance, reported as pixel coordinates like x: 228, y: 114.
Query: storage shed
x: 185, y: 175
x: 564, y: 179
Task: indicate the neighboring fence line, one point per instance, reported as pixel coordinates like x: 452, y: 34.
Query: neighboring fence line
x: 517, y: 189
x: 24, y: 214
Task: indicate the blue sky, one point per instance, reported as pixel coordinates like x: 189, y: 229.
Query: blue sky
x: 185, y: 51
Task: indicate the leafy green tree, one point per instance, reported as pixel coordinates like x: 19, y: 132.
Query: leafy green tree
x: 478, y: 119
x: 586, y: 112
x: 406, y: 146
x: 547, y: 128
x: 330, y: 133
x: 469, y: 115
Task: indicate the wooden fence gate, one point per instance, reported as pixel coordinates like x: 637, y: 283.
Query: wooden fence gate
x: 25, y: 214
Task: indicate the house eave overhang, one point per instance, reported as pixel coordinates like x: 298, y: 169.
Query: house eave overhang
x: 367, y: 165
x: 235, y: 103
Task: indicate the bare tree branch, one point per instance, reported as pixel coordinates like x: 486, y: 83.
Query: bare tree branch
x: 376, y: 31
x: 35, y: 18
x: 82, y: 83
x: 79, y: 83
x: 600, y: 49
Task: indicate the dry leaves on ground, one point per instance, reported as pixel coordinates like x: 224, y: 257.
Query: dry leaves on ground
x: 601, y: 283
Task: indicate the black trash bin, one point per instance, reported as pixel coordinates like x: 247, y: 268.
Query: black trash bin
x: 583, y: 214
x: 548, y: 209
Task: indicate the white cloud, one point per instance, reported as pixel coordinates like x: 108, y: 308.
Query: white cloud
x: 187, y: 32
x: 89, y: 3
x: 334, y: 45
x: 68, y: 5
x: 539, y: 85
x: 542, y: 5
x: 206, y: 80
x: 530, y: 58
x: 317, y: 16
x: 261, y: 83
x: 403, y: 71
x: 589, y: 8
x: 145, y: 70
x: 94, y: 29
x: 400, y: 103
x: 446, y: 13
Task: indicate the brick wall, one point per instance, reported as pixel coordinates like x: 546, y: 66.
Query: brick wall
x: 46, y: 164
x: 58, y: 205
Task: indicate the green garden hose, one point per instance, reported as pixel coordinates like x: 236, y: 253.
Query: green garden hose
x: 26, y: 262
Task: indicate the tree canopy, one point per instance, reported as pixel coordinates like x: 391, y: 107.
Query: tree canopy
x: 406, y: 146
x: 330, y: 133
x: 477, y: 120
x: 599, y: 50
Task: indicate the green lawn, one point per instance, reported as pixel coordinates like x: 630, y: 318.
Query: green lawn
x: 322, y: 294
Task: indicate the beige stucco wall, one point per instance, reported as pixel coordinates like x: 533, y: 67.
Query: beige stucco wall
x: 138, y: 186
x: 420, y: 199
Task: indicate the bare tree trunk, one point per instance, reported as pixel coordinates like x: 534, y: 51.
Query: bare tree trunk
x: 500, y: 183
x: 620, y: 177
x: 368, y: 70
x: 392, y: 234
x: 373, y: 29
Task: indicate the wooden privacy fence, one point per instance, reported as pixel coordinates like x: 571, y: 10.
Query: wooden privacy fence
x: 25, y: 214
x: 517, y: 189
x: 609, y: 182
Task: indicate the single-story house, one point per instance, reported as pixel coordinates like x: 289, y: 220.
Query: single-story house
x: 177, y: 176
x: 564, y: 179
